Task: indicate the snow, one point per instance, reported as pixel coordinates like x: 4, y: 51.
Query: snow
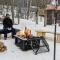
x: 35, y: 27
x: 15, y: 53
x: 53, y: 2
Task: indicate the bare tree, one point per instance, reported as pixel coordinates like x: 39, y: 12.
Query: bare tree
x: 39, y: 4
x: 12, y: 9
x: 19, y: 3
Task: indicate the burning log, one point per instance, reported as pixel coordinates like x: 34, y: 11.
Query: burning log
x: 24, y: 33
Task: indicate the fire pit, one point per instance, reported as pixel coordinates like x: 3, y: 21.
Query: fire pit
x: 26, y: 41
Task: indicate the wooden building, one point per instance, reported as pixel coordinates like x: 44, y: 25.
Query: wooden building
x: 50, y: 14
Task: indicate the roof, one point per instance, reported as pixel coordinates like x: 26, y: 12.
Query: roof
x: 58, y: 8
x: 50, y: 7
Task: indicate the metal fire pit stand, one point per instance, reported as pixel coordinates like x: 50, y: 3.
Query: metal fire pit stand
x: 36, y: 44
x: 31, y: 43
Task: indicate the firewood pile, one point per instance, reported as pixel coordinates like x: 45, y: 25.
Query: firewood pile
x: 2, y: 47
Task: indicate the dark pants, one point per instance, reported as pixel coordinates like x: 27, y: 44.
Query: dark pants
x: 6, y: 31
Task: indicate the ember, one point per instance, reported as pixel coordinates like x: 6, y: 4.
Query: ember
x: 26, y: 33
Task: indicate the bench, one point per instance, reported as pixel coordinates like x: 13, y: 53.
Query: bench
x: 43, y: 33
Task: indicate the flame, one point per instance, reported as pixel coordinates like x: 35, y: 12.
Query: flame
x: 24, y: 33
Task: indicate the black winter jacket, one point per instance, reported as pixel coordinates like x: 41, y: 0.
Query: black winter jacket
x: 7, y: 22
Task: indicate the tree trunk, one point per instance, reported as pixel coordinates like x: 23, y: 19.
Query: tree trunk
x: 12, y: 10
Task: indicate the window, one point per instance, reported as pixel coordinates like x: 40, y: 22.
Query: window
x: 58, y: 1
x: 58, y: 15
x: 49, y: 17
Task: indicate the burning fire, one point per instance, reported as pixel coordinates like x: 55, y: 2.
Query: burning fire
x: 24, y: 33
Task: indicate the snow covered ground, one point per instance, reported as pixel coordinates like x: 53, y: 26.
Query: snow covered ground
x: 35, y: 27
x: 14, y: 53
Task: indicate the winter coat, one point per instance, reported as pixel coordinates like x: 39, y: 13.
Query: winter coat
x: 7, y: 22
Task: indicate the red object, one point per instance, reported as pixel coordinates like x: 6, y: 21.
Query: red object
x: 58, y: 7
x: 50, y: 7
